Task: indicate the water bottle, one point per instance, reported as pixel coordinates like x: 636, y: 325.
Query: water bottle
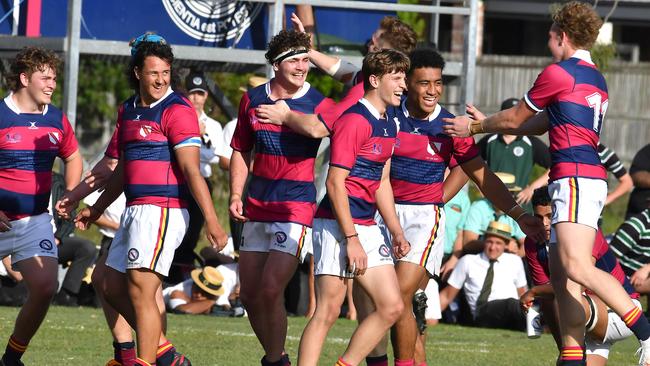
x: 533, y: 322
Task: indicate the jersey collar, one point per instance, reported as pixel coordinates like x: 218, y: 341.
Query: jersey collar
x: 299, y: 94
x: 375, y: 113
x: 583, y: 55
x: 9, y: 101
x: 432, y: 116
x: 168, y: 93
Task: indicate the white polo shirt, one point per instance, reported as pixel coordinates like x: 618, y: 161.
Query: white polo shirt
x: 112, y: 212
x: 471, y: 270
x: 210, y: 155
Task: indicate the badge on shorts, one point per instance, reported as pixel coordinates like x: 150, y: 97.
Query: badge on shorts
x: 280, y: 236
x: 384, y: 251
x: 46, y: 244
x: 133, y: 254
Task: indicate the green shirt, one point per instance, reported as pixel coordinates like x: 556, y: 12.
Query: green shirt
x: 456, y: 211
x: 481, y: 213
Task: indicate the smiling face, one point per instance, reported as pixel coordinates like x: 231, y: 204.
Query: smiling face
x: 293, y: 72
x: 40, y: 85
x: 494, y: 246
x: 424, y: 91
x: 390, y: 87
x: 154, y: 78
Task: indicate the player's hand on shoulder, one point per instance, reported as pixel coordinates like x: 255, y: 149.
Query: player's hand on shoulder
x: 357, y: 258
x: 457, y: 126
x: 533, y: 227
x: 86, y: 217
x: 5, y: 224
x: 275, y: 114
x: 473, y: 112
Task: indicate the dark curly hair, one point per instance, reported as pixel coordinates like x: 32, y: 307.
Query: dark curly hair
x: 426, y: 57
x: 579, y: 21
x: 28, y: 61
x: 146, y: 49
x: 398, y: 34
x: 383, y: 62
x: 541, y: 197
x: 286, y: 40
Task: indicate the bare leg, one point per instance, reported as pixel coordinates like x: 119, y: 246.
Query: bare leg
x: 366, y: 307
x: 330, y: 292
x: 251, y: 268
x: 118, y: 326
x: 143, y: 285
x: 405, y: 332
x: 312, y: 289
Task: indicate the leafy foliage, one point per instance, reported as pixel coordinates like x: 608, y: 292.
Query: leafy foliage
x: 415, y: 20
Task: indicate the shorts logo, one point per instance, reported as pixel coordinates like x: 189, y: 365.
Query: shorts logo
x: 46, y: 244
x: 280, y: 236
x: 133, y: 254
x: 210, y: 20
x: 518, y: 151
x: 384, y: 251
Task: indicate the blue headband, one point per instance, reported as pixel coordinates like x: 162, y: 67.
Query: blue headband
x: 147, y: 37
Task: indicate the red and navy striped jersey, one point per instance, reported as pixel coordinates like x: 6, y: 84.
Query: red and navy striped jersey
x: 361, y: 142
x: 574, y: 93
x: 537, y: 257
x: 422, y: 153
x: 29, y: 143
x: 145, y: 139
x: 281, y: 188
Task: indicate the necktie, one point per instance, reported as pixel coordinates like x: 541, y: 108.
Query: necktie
x: 487, y: 285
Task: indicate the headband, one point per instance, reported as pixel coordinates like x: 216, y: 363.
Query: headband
x: 289, y: 54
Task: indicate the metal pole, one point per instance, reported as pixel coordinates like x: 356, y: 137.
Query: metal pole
x: 434, y: 32
x: 71, y: 48
x: 469, y: 57
x: 276, y: 12
x: 16, y: 18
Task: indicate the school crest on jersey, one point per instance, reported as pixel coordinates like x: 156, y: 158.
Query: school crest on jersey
x: 55, y: 137
x: 145, y: 130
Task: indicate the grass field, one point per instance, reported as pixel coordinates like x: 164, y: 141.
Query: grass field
x: 75, y: 336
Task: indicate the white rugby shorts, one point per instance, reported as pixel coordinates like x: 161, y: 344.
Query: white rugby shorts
x: 31, y: 236
x: 616, y: 331
x: 578, y: 200
x: 286, y: 237
x: 330, y: 254
x: 147, y: 238
x: 424, y: 227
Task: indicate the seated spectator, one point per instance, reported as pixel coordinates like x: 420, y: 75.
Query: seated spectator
x: 631, y: 244
x: 207, y: 287
x: 482, y: 212
x: 640, y: 173
x: 77, y: 254
x: 492, y: 281
x: 603, y: 328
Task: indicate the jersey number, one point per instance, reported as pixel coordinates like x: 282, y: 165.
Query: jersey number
x: 595, y: 102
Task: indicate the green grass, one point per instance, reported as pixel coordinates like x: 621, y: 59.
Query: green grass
x: 74, y: 336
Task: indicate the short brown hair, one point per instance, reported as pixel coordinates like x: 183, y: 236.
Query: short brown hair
x: 383, y: 62
x: 399, y: 34
x: 286, y: 40
x: 28, y: 61
x: 579, y: 21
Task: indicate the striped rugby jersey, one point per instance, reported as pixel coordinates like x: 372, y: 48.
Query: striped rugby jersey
x: 574, y: 93
x: 361, y: 142
x: 29, y: 143
x: 281, y: 188
x: 145, y: 139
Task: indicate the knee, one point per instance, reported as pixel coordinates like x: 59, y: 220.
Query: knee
x: 327, y: 314
x: 272, y: 293
x: 44, y: 289
x: 578, y: 272
x: 248, y: 296
x: 391, y: 311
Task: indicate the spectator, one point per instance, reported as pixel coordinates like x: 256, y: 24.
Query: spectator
x: 631, y: 243
x: 516, y: 155
x: 76, y: 253
x: 492, y: 281
x: 482, y: 212
x: 211, y: 144
x: 610, y: 160
x: 207, y: 287
x: 640, y: 172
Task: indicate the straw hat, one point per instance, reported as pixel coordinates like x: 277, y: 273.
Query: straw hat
x: 499, y: 229
x: 509, y: 181
x: 209, y: 279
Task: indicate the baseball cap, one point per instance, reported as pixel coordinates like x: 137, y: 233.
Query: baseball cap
x: 509, y: 103
x: 195, y: 82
